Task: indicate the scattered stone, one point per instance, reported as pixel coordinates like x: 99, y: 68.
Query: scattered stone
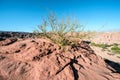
x: 22, y: 45
x: 17, y: 51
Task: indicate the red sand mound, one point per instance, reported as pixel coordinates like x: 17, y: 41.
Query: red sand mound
x: 39, y: 59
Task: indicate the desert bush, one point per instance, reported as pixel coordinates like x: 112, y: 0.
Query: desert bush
x: 115, y: 49
x: 57, y: 30
x: 103, y: 46
x: 118, y: 56
x: 85, y: 35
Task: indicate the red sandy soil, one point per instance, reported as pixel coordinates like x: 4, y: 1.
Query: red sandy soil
x: 40, y: 59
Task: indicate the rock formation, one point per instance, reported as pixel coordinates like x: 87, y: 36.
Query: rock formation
x: 40, y: 59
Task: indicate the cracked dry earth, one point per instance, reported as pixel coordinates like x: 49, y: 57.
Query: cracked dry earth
x: 39, y: 59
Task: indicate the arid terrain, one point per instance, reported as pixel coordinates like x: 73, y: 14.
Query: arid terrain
x: 24, y: 57
x: 108, y: 38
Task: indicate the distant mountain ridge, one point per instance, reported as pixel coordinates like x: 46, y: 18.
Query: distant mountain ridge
x: 8, y: 34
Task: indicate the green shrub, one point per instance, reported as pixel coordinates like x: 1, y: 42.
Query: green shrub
x: 115, y: 49
x: 104, y: 46
x: 115, y: 44
x: 118, y: 56
x: 57, y: 30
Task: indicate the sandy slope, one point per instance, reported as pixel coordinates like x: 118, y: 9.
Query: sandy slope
x: 106, y: 54
x: 106, y: 38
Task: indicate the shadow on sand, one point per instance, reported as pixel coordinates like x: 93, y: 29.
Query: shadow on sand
x: 114, y: 65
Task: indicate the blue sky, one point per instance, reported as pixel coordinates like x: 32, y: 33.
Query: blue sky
x: 26, y: 15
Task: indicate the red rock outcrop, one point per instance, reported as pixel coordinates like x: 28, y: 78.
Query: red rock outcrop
x: 39, y: 59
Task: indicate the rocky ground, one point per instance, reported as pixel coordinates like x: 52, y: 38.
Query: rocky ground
x: 40, y: 59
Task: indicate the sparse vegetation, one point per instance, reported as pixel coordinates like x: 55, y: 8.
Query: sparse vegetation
x: 86, y: 35
x: 116, y: 49
x: 103, y: 46
x: 118, y: 56
x: 59, y: 31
